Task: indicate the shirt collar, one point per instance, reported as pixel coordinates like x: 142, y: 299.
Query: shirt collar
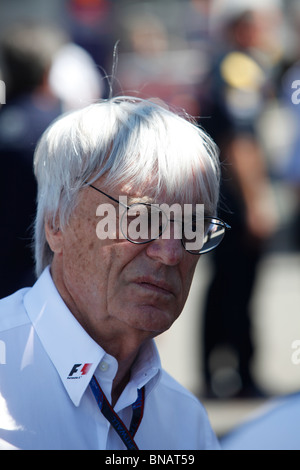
x: 72, y: 351
x: 146, y: 366
x: 74, y: 354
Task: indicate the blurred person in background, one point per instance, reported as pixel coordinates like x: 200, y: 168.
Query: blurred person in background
x: 275, y: 426
x: 154, y: 61
x: 239, y: 83
x: 45, y: 74
x: 26, y: 52
x: 290, y: 89
x: 91, y: 25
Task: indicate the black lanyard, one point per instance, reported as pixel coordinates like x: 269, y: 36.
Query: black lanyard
x: 126, y: 435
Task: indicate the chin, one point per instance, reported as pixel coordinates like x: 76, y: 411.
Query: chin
x: 152, y: 319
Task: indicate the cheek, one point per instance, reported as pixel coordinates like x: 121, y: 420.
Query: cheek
x: 79, y: 249
x: 80, y: 253
x: 188, y: 276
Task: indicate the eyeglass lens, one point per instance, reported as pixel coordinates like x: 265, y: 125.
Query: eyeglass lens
x: 141, y: 223
x: 214, y: 231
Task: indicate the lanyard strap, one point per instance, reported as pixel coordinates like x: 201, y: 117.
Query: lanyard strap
x: 126, y: 435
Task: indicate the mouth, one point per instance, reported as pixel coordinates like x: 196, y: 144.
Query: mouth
x: 155, y: 285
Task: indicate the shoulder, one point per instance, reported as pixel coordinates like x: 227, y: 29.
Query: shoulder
x: 171, y: 392
x: 172, y: 386
x: 176, y: 407
x: 12, y: 311
x: 184, y: 401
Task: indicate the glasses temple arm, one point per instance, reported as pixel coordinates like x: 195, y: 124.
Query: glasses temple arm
x: 107, y: 195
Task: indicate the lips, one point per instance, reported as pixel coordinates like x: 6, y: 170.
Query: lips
x: 156, y: 285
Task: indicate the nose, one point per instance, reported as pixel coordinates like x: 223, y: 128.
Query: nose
x: 167, y: 251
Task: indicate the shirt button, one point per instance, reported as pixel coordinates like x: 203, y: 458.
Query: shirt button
x: 103, y: 366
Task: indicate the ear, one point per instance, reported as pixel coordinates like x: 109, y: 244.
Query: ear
x: 54, y: 235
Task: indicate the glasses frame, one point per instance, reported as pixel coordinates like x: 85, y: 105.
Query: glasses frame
x: 217, y: 219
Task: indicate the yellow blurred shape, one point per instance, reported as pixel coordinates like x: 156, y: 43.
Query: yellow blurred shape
x: 241, y: 71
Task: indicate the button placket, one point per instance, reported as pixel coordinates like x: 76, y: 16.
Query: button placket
x: 105, y: 374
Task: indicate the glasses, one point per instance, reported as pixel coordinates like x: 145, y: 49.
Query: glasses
x: 143, y: 222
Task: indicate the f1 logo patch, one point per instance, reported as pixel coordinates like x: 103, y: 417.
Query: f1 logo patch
x: 78, y: 370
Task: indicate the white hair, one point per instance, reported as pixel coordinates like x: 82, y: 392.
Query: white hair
x: 123, y: 139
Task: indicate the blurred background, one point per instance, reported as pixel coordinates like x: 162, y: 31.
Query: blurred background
x: 234, y: 66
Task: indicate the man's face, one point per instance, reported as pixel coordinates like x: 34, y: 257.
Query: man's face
x: 115, y: 284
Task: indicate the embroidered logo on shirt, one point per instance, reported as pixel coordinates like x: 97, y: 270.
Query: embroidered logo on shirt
x: 78, y: 370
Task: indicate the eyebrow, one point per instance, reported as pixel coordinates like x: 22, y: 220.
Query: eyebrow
x: 142, y: 200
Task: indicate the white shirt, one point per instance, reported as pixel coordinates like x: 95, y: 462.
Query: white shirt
x: 46, y: 363
x: 275, y: 426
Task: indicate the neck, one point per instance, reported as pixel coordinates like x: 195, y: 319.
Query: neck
x: 125, y: 363
x: 120, y: 381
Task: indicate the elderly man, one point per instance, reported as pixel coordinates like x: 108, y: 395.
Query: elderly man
x: 80, y: 369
